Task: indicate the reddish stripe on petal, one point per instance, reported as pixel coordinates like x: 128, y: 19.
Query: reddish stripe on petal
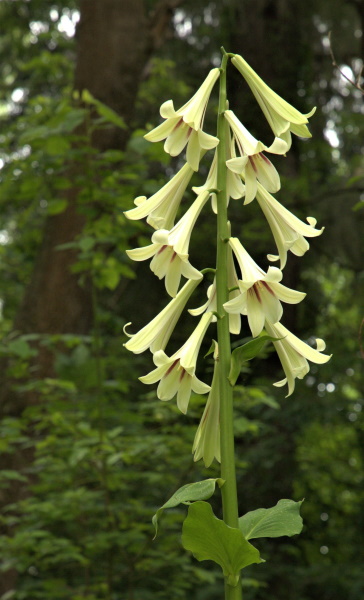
x: 268, y: 288
x: 171, y: 367
x: 178, y: 124
x: 265, y: 158
x: 253, y: 164
x: 183, y: 373
x: 161, y: 250
x: 255, y: 289
x: 173, y: 256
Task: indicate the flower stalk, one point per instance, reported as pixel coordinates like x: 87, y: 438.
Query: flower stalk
x: 229, y: 489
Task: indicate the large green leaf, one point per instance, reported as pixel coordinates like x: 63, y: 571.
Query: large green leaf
x: 201, y: 490
x: 282, y: 519
x: 244, y: 353
x: 209, y: 538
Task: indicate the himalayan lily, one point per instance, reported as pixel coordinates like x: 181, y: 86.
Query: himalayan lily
x: 252, y: 164
x: 169, y: 249
x: 211, y: 306
x: 155, y: 335
x: 206, y: 444
x: 260, y: 293
x: 281, y: 116
x: 288, y: 231
x: 184, y: 126
x: 294, y: 354
x: 162, y: 207
x: 176, y: 374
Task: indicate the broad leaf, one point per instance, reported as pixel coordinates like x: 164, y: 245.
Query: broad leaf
x: 244, y: 353
x: 282, y: 519
x: 201, y: 490
x: 209, y: 538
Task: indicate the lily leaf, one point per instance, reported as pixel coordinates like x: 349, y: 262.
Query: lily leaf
x: 282, y: 519
x: 209, y: 538
x: 244, y: 353
x: 201, y: 490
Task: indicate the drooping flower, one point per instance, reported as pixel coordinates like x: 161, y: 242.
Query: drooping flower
x: 252, y: 164
x: 162, y: 207
x: 169, y: 249
x: 155, y: 335
x: 206, y: 444
x: 211, y: 304
x: 260, y: 293
x: 234, y: 186
x: 281, y: 116
x: 176, y: 374
x: 288, y: 231
x: 184, y: 126
x: 294, y: 354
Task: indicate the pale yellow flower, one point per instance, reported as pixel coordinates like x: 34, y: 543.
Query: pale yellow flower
x: 176, y: 374
x: 184, y: 126
x: 294, y: 354
x: 281, y: 116
x: 206, y: 444
x: 260, y: 293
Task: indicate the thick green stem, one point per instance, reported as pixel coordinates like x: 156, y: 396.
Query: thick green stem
x: 228, y: 490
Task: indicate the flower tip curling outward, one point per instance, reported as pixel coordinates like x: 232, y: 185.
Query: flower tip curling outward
x: 184, y: 126
x: 282, y: 117
x: 294, y: 354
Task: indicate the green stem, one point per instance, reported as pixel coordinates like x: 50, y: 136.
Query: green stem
x: 228, y: 490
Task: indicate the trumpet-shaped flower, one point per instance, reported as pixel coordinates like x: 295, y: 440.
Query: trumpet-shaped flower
x: 211, y: 304
x: 162, y: 207
x: 184, y: 126
x: 155, y: 335
x: 294, y: 354
x: 288, y: 231
x: 206, y: 444
x: 260, y: 293
x: 234, y: 186
x: 281, y: 116
x: 252, y: 164
x: 169, y: 249
x: 176, y: 374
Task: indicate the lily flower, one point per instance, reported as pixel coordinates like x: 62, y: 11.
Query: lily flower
x: 184, y: 126
x: 260, y: 293
x: 252, y: 164
x: 169, y: 249
x: 211, y: 304
x: 155, y: 335
x: 294, y: 354
x: 206, y: 444
x: 176, y: 374
x: 162, y: 207
x: 282, y: 117
x: 288, y: 231
x: 234, y: 186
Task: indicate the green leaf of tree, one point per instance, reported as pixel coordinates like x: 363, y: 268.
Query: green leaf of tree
x: 282, y: 519
x: 201, y: 490
x: 244, y: 353
x: 209, y: 538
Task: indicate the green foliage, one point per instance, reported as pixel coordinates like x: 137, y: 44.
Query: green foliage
x: 282, y: 519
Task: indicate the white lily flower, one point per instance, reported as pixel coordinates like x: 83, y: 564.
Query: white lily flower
x: 206, y: 444
x: 162, y: 207
x: 155, y: 335
x: 282, y: 117
x: 252, y: 164
x: 211, y: 305
x: 176, y: 374
x: 234, y: 186
x: 294, y: 354
x: 260, y: 293
x: 184, y: 126
x: 169, y: 249
x: 288, y: 231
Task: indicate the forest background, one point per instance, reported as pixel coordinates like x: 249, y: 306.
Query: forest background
x: 87, y: 452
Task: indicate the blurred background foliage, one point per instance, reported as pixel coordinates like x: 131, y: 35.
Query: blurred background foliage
x: 87, y: 453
